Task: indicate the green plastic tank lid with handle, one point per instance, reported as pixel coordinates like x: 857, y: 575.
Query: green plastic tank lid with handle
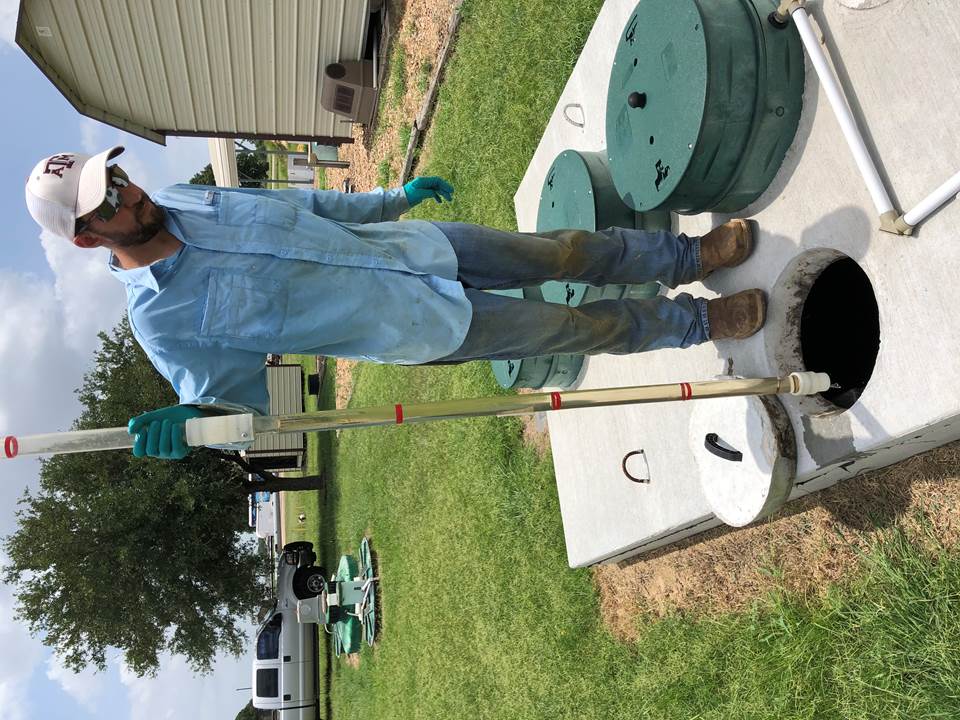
x: 703, y: 102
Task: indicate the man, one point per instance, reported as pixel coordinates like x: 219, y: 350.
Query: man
x: 216, y: 278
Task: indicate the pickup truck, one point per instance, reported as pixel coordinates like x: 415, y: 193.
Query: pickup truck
x: 285, y: 661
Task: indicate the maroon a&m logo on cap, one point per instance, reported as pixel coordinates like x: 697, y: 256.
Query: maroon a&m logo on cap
x: 57, y: 164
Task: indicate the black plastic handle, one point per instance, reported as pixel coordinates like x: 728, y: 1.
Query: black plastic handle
x: 711, y: 443
x: 633, y: 478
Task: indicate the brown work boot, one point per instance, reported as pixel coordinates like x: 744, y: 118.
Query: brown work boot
x: 738, y: 316
x: 725, y: 246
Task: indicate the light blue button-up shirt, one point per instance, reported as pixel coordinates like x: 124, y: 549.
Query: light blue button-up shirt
x: 290, y: 271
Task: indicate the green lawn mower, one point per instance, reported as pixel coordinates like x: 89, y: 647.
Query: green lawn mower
x: 346, y: 605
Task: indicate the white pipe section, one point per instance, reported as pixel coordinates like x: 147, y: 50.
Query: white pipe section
x: 933, y: 201
x: 837, y: 100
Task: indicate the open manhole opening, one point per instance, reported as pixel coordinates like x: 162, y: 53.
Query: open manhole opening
x: 840, y: 330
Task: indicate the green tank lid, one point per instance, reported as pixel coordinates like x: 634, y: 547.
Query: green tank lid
x: 704, y: 100
x: 564, y: 371
x: 578, y: 193
x: 527, y: 372
x: 348, y: 628
x: 565, y: 293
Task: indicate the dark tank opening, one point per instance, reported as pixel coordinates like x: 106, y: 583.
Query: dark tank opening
x: 840, y: 330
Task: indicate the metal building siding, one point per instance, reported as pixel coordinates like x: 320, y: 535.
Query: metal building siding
x: 196, y: 65
x: 285, y: 387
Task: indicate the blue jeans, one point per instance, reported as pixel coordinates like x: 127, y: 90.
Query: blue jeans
x: 504, y: 328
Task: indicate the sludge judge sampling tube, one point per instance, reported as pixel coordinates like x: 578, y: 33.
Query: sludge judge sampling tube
x: 243, y: 428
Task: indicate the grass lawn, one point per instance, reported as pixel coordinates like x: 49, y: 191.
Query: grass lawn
x: 481, y: 617
x: 318, y: 451
x: 277, y: 166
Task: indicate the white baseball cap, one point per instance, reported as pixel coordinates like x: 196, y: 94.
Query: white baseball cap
x: 67, y: 186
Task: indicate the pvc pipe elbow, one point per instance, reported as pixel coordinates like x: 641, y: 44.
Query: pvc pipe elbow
x: 781, y: 16
x: 891, y: 222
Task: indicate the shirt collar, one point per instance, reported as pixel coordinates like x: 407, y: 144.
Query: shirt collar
x: 146, y: 277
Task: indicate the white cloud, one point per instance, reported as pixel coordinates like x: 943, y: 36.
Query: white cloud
x: 86, y: 687
x: 139, y: 171
x: 47, y: 338
x: 90, y: 132
x: 21, y: 655
x: 26, y: 300
x: 88, y: 297
x: 8, y: 22
x: 177, y: 693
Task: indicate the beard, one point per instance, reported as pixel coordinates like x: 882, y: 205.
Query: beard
x: 149, y: 222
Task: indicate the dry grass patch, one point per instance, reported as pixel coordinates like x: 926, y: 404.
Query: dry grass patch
x: 812, y: 543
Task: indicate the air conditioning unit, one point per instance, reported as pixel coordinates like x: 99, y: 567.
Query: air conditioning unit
x: 349, y: 90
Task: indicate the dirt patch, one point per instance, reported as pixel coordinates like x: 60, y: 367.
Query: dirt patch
x: 420, y: 30
x: 536, y: 434
x: 812, y: 543
x: 344, y: 376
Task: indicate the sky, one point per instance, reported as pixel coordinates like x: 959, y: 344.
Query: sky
x: 54, y: 299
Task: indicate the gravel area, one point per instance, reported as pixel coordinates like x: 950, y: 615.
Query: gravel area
x: 420, y: 28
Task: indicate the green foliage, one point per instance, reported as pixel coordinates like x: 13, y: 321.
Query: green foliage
x: 142, y: 555
x: 204, y: 177
x: 403, y: 138
x: 423, y: 76
x: 251, y: 167
x: 385, y: 172
x: 398, y: 74
x: 248, y: 712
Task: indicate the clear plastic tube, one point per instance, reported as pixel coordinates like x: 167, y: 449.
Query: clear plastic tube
x: 240, y: 428
x: 75, y: 441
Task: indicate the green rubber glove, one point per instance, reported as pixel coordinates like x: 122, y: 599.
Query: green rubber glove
x: 424, y: 188
x: 161, y: 433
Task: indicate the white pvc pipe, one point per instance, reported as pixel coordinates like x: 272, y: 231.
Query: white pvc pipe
x: 847, y: 124
x: 937, y: 198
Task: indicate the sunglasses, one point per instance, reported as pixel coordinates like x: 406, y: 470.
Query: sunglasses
x: 111, y: 201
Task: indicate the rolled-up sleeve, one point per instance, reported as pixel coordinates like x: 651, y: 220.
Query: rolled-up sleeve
x: 378, y: 205
x: 227, y: 379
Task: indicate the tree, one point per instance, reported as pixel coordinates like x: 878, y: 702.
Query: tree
x: 248, y: 712
x: 251, y: 167
x: 142, y: 555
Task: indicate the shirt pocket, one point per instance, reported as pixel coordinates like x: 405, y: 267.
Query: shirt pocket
x: 241, y: 209
x: 244, y: 307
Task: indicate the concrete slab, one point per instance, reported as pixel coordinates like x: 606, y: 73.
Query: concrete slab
x: 894, y: 60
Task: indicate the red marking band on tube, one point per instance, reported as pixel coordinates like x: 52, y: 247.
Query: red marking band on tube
x: 10, y: 446
x: 398, y: 409
x: 686, y: 392
x: 555, y: 401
